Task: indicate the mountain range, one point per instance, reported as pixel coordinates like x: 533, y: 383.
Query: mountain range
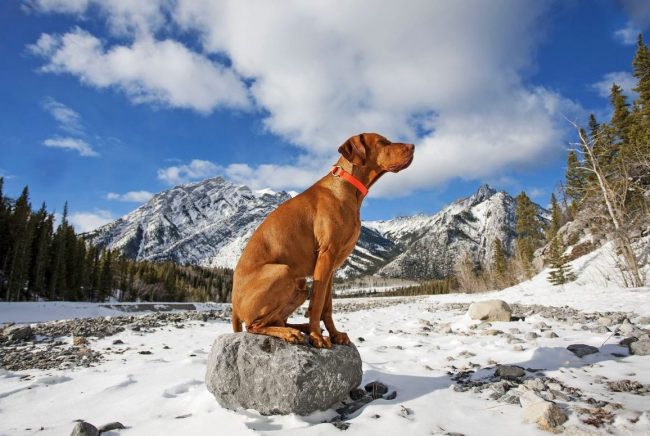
x: 209, y: 222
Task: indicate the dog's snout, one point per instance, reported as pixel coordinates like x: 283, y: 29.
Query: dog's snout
x: 410, y: 147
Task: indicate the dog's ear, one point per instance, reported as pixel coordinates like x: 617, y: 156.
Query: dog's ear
x: 354, y: 150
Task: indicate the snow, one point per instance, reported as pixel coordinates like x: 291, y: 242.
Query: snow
x: 163, y: 393
x: 597, y: 288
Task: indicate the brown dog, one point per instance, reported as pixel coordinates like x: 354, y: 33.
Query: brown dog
x: 310, y: 235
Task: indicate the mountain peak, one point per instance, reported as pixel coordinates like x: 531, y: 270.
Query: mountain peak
x: 485, y: 191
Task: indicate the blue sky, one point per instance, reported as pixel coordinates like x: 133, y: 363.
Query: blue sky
x: 105, y: 103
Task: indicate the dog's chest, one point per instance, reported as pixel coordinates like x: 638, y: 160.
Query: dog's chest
x: 348, y: 242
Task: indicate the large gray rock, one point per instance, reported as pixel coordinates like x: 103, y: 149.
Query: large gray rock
x: 490, y: 310
x: 18, y: 332
x: 274, y: 377
x: 640, y: 348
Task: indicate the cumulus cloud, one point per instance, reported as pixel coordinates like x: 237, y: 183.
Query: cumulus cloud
x: 131, y: 196
x: 89, y: 221
x: 197, y: 169
x: 147, y: 71
x: 448, y: 76
x: 75, y: 144
x: 622, y: 78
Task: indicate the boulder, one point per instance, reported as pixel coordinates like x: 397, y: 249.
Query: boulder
x: 640, y: 348
x: 83, y: 428
x: 490, y: 310
x: 582, y: 350
x: 274, y: 377
x: 509, y: 371
x: 18, y: 332
x: 545, y: 414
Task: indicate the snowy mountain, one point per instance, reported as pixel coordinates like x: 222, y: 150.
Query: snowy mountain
x: 430, y: 244
x: 205, y: 223
x: 209, y: 222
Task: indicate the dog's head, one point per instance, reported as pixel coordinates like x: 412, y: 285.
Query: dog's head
x: 373, y: 150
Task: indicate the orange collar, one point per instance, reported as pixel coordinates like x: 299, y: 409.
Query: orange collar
x: 337, y: 171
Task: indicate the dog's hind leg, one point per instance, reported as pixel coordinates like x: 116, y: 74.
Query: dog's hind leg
x: 272, y: 295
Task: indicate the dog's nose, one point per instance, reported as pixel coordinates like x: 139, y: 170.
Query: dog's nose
x: 410, y: 147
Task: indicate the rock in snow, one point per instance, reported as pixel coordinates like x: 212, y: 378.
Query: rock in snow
x: 490, y: 310
x: 509, y: 371
x: 83, y: 428
x: 582, y: 350
x: 274, y: 377
x: 545, y: 414
x: 18, y: 332
x: 640, y: 348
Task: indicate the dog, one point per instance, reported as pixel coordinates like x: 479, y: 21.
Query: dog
x: 310, y: 235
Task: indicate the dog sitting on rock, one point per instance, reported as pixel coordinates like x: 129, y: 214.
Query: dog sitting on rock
x: 310, y: 235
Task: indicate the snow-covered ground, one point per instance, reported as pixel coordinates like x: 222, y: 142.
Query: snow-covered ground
x: 406, y: 345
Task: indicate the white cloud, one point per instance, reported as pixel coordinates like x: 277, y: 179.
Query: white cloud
x: 147, y: 71
x: 197, y: 169
x: 280, y: 177
x: 622, y: 78
x: 453, y: 69
x: 124, y: 17
x: 627, y: 35
x: 68, y: 119
x: 131, y: 196
x: 76, y: 144
x: 448, y: 76
x: 61, y: 6
x: 89, y: 221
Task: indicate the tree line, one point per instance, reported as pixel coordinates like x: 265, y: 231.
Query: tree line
x: 41, y: 261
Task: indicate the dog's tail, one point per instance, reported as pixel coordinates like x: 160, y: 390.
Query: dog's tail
x: 236, y: 322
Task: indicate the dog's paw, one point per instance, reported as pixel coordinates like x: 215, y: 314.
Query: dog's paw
x: 295, y: 337
x: 320, y: 341
x: 341, y: 338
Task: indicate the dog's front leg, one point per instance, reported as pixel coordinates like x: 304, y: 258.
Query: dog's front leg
x: 322, y: 275
x: 336, y: 336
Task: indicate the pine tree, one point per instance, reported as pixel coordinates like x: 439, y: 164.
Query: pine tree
x: 560, y: 270
x: 621, y: 113
x: 641, y: 71
x: 575, y: 178
x: 41, y: 251
x: 58, y: 282
x: 499, y: 262
x: 529, y: 230
x: 556, y: 219
x: 22, y: 234
x: 4, y: 233
x: 106, y: 275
